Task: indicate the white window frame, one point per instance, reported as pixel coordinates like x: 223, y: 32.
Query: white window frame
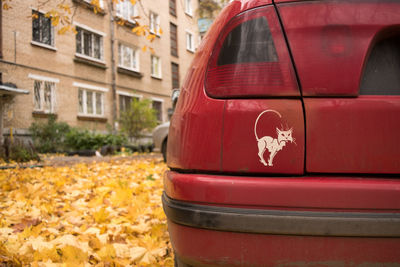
x: 100, y: 2
x: 95, y: 90
x: 132, y: 11
x: 134, y: 57
x: 190, y: 41
x: 129, y: 94
x: 154, y: 71
x: 188, y: 7
x: 154, y: 23
x: 93, y: 32
x: 43, y: 80
x: 160, y: 100
x: 38, y: 43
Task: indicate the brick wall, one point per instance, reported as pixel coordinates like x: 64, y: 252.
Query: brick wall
x: 24, y: 61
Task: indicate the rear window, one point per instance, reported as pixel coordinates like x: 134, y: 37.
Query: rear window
x: 251, y: 41
x: 382, y: 72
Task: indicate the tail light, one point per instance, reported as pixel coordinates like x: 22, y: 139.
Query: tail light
x: 251, y: 59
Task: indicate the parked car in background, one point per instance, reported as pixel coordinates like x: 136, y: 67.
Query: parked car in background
x: 160, y: 138
x: 160, y: 133
x: 284, y: 146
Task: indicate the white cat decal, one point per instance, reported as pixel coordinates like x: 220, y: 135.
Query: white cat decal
x: 272, y: 144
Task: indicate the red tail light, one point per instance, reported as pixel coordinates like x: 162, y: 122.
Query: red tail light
x: 251, y: 59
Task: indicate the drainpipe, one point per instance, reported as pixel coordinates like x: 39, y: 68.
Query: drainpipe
x: 1, y: 29
x: 1, y: 57
x: 1, y: 119
x: 113, y: 69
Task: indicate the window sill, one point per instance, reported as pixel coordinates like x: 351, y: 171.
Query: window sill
x: 188, y: 14
x: 156, y: 34
x: 42, y: 114
x: 90, y: 61
x: 156, y: 78
x: 190, y: 50
x: 124, y: 22
x: 91, y: 118
x: 89, y: 6
x: 129, y: 72
x: 34, y: 43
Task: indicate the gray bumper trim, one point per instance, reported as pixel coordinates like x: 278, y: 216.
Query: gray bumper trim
x: 282, y: 222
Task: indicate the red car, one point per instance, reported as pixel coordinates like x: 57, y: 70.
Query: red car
x: 284, y: 147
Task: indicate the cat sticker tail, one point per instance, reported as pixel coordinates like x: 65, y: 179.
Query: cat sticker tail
x: 273, y: 145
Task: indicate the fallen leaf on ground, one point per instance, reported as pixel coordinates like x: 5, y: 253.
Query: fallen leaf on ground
x: 96, y: 214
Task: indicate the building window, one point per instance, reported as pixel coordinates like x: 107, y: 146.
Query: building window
x: 89, y: 44
x: 128, y: 57
x: 154, y: 23
x: 90, y: 102
x: 42, y: 30
x: 157, y: 106
x: 174, y: 39
x: 44, y: 96
x: 127, y: 11
x: 188, y: 7
x: 189, y: 42
x: 155, y: 67
x: 124, y: 103
x: 172, y: 7
x: 175, y: 75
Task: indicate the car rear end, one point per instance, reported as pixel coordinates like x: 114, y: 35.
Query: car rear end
x: 283, y: 146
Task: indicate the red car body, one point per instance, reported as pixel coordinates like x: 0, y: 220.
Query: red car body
x: 284, y: 146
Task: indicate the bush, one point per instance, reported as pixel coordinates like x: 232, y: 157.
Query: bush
x: 83, y: 139
x: 137, y: 118
x: 18, y: 151
x: 49, y: 136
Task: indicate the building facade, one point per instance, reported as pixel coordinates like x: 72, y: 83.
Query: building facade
x: 88, y: 77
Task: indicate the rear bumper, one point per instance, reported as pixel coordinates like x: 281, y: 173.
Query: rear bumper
x: 224, y: 219
x: 282, y: 222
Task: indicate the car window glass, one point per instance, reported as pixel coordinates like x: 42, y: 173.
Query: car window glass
x: 382, y: 71
x: 248, y: 42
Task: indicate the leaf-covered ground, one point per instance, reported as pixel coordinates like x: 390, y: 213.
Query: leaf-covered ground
x: 87, y: 214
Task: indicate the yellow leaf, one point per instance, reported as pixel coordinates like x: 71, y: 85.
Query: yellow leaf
x: 160, y: 31
x: 158, y: 230
x: 151, y: 37
x: 55, y: 20
x: 95, y: 243
x: 133, y: 2
x: 63, y: 30
x: 101, y: 216
x: 121, y: 196
x: 107, y: 253
x: 144, y: 48
x: 72, y: 255
x: 6, y: 6
x: 46, y: 254
x: 137, y: 253
x: 139, y: 30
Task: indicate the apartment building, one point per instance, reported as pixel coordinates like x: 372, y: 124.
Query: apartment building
x: 87, y: 78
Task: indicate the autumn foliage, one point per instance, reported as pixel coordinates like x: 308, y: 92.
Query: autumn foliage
x: 103, y: 214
